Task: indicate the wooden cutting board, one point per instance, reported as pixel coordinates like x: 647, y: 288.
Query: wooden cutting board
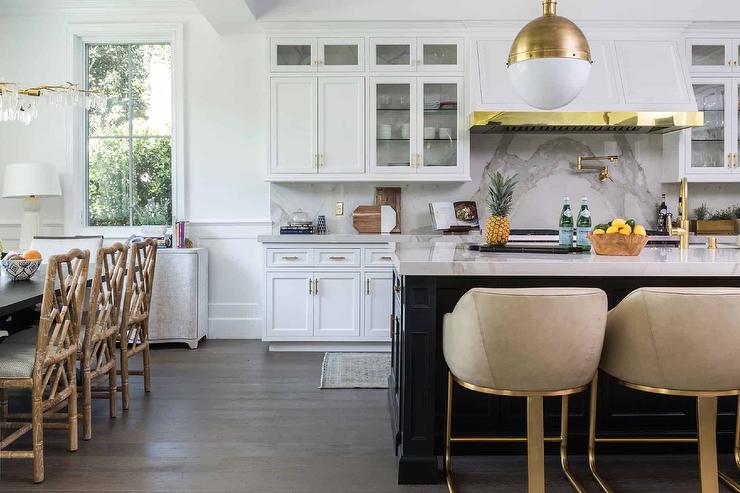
x: 390, y: 196
x: 366, y: 219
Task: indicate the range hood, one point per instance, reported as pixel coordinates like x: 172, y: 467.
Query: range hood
x: 646, y: 122
x: 635, y: 86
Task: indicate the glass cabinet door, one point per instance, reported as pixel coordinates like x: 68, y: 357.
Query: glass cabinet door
x: 393, y: 54
x: 736, y: 55
x: 710, y: 144
x: 710, y: 55
x: 393, y: 127
x: 439, y: 125
x: 441, y: 54
x: 341, y: 55
x: 293, y: 55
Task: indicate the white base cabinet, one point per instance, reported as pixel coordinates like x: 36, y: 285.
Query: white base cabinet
x: 328, y: 296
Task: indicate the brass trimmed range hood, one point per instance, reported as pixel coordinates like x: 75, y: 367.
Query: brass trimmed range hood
x: 645, y: 122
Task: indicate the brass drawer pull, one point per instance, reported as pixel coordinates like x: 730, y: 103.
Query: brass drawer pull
x: 310, y: 286
x: 367, y: 286
x: 337, y: 258
x: 385, y: 257
x: 315, y: 286
x: 290, y: 257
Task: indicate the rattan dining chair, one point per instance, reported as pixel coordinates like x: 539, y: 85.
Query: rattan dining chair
x: 97, y: 350
x: 134, y: 334
x: 48, y: 367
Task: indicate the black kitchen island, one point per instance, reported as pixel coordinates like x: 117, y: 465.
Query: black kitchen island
x: 430, y: 278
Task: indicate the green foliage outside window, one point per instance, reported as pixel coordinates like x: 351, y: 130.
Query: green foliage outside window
x: 129, y: 153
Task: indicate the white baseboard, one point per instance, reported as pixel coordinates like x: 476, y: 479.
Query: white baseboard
x: 344, y: 347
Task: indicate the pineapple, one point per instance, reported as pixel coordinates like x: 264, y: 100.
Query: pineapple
x: 500, y: 198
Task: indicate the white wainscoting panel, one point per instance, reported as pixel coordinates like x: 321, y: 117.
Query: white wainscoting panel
x: 235, y: 277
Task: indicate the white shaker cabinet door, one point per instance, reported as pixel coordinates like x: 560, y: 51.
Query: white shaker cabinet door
x: 174, y: 307
x: 294, y: 121
x: 341, y: 124
x: 378, y: 296
x: 336, y: 304
x: 289, y: 304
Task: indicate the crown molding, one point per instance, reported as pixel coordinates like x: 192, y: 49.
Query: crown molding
x: 81, y: 7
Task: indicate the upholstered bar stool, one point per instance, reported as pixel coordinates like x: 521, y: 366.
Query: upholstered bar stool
x: 531, y: 343
x: 676, y: 341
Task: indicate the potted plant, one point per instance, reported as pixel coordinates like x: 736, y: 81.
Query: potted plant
x: 722, y: 221
x: 736, y: 215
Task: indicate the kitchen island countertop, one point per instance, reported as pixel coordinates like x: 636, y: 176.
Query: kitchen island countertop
x: 450, y: 259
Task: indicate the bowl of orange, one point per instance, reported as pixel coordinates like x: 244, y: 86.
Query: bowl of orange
x: 21, y: 266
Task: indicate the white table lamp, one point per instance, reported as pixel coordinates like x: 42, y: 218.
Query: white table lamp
x: 30, y: 181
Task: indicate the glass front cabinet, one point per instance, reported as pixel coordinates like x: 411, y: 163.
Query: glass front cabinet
x: 317, y: 54
x: 416, y: 54
x: 416, y: 125
x: 715, y: 56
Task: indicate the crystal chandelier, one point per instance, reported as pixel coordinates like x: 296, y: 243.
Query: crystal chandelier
x: 22, y: 105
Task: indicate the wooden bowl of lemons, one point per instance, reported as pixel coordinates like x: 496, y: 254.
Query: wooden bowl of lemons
x: 618, y: 237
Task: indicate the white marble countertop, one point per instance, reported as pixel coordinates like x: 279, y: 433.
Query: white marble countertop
x: 451, y: 259
x: 365, y: 238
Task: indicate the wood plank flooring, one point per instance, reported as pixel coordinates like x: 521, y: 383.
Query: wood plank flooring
x: 231, y: 417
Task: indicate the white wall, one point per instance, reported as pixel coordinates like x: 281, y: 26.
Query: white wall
x: 225, y: 115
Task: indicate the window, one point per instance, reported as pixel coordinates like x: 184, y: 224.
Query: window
x: 128, y: 146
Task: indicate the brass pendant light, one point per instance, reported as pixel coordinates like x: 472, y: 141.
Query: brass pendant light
x: 550, y: 60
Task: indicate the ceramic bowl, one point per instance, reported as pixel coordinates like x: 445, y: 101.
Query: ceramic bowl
x: 20, y: 269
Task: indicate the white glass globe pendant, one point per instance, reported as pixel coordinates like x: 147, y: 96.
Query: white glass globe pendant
x: 550, y: 60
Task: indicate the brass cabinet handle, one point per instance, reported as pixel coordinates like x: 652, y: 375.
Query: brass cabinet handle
x: 385, y: 257
x: 310, y: 286
x: 315, y: 286
x: 337, y: 257
x: 393, y: 322
x: 367, y: 286
x: 290, y: 257
x: 397, y: 288
x: 321, y: 160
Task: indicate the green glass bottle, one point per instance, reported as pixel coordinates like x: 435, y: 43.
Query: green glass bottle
x: 566, y: 224
x: 583, y: 226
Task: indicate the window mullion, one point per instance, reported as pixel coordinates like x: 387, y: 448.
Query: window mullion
x: 129, y: 76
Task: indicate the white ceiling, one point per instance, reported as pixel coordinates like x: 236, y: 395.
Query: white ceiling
x: 440, y: 10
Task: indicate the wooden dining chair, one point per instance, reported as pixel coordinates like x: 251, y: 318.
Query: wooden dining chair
x: 48, y: 367
x: 97, y: 350
x: 134, y: 334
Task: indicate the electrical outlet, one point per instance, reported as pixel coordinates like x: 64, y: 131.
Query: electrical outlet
x: 339, y: 211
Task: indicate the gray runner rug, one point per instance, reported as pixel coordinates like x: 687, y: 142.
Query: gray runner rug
x: 355, y: 371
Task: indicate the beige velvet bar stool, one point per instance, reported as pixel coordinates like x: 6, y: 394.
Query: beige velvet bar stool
x: 676, y: 341
x: 531, y: 343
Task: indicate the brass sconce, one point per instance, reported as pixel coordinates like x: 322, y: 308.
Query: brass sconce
x: 602, y: 170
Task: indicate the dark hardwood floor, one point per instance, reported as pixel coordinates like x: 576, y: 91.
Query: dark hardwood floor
x: 231, y: 417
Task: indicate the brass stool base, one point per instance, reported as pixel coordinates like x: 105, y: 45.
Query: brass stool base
x: 535, y: 438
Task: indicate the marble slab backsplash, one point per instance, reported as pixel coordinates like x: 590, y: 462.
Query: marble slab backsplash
x: 544, y: 165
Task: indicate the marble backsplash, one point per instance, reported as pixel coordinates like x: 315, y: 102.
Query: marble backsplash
x: 544, y: 165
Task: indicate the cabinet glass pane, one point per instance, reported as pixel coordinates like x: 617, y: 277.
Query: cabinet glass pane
x: 294, y: 55
x: 393, y: 132
x: 437, y: 54
x: 707, y: 55
x: 440, y: 125
x: 340, y: 55
x: 708, y: 142
x: 392, y: 54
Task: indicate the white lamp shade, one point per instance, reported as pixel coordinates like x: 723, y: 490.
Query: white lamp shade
x: 31, y: 180
x: 549, y: 83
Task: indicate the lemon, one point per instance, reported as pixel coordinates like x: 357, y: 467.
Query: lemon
x: 599, y: 232
x: 611, y: 230
x: 625, y: 230
x: 639, y: 230
x: 619, y: 223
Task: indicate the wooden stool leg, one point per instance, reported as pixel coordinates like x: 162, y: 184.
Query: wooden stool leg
x: 86, y: 403
x: 706, y: 414
x: 124, y: 374
x: 535, y: 445
x: 112, y: 383
x: 37, y: 433
x: 72, y: 403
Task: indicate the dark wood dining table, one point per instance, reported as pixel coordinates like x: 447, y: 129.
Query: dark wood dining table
x: 17, y: 295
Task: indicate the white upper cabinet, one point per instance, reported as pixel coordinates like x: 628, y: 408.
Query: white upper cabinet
x: 293, y: 125
x: 317, y: 54
x: 317, y: 125
x: 652, y: 74
x: 416, y: 54
x: 341, y: 125
x: 711, y: 56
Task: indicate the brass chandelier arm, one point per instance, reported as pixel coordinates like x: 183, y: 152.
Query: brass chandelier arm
x: 39, y: 90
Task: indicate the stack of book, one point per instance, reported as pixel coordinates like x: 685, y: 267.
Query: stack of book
x: 297, y: 229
